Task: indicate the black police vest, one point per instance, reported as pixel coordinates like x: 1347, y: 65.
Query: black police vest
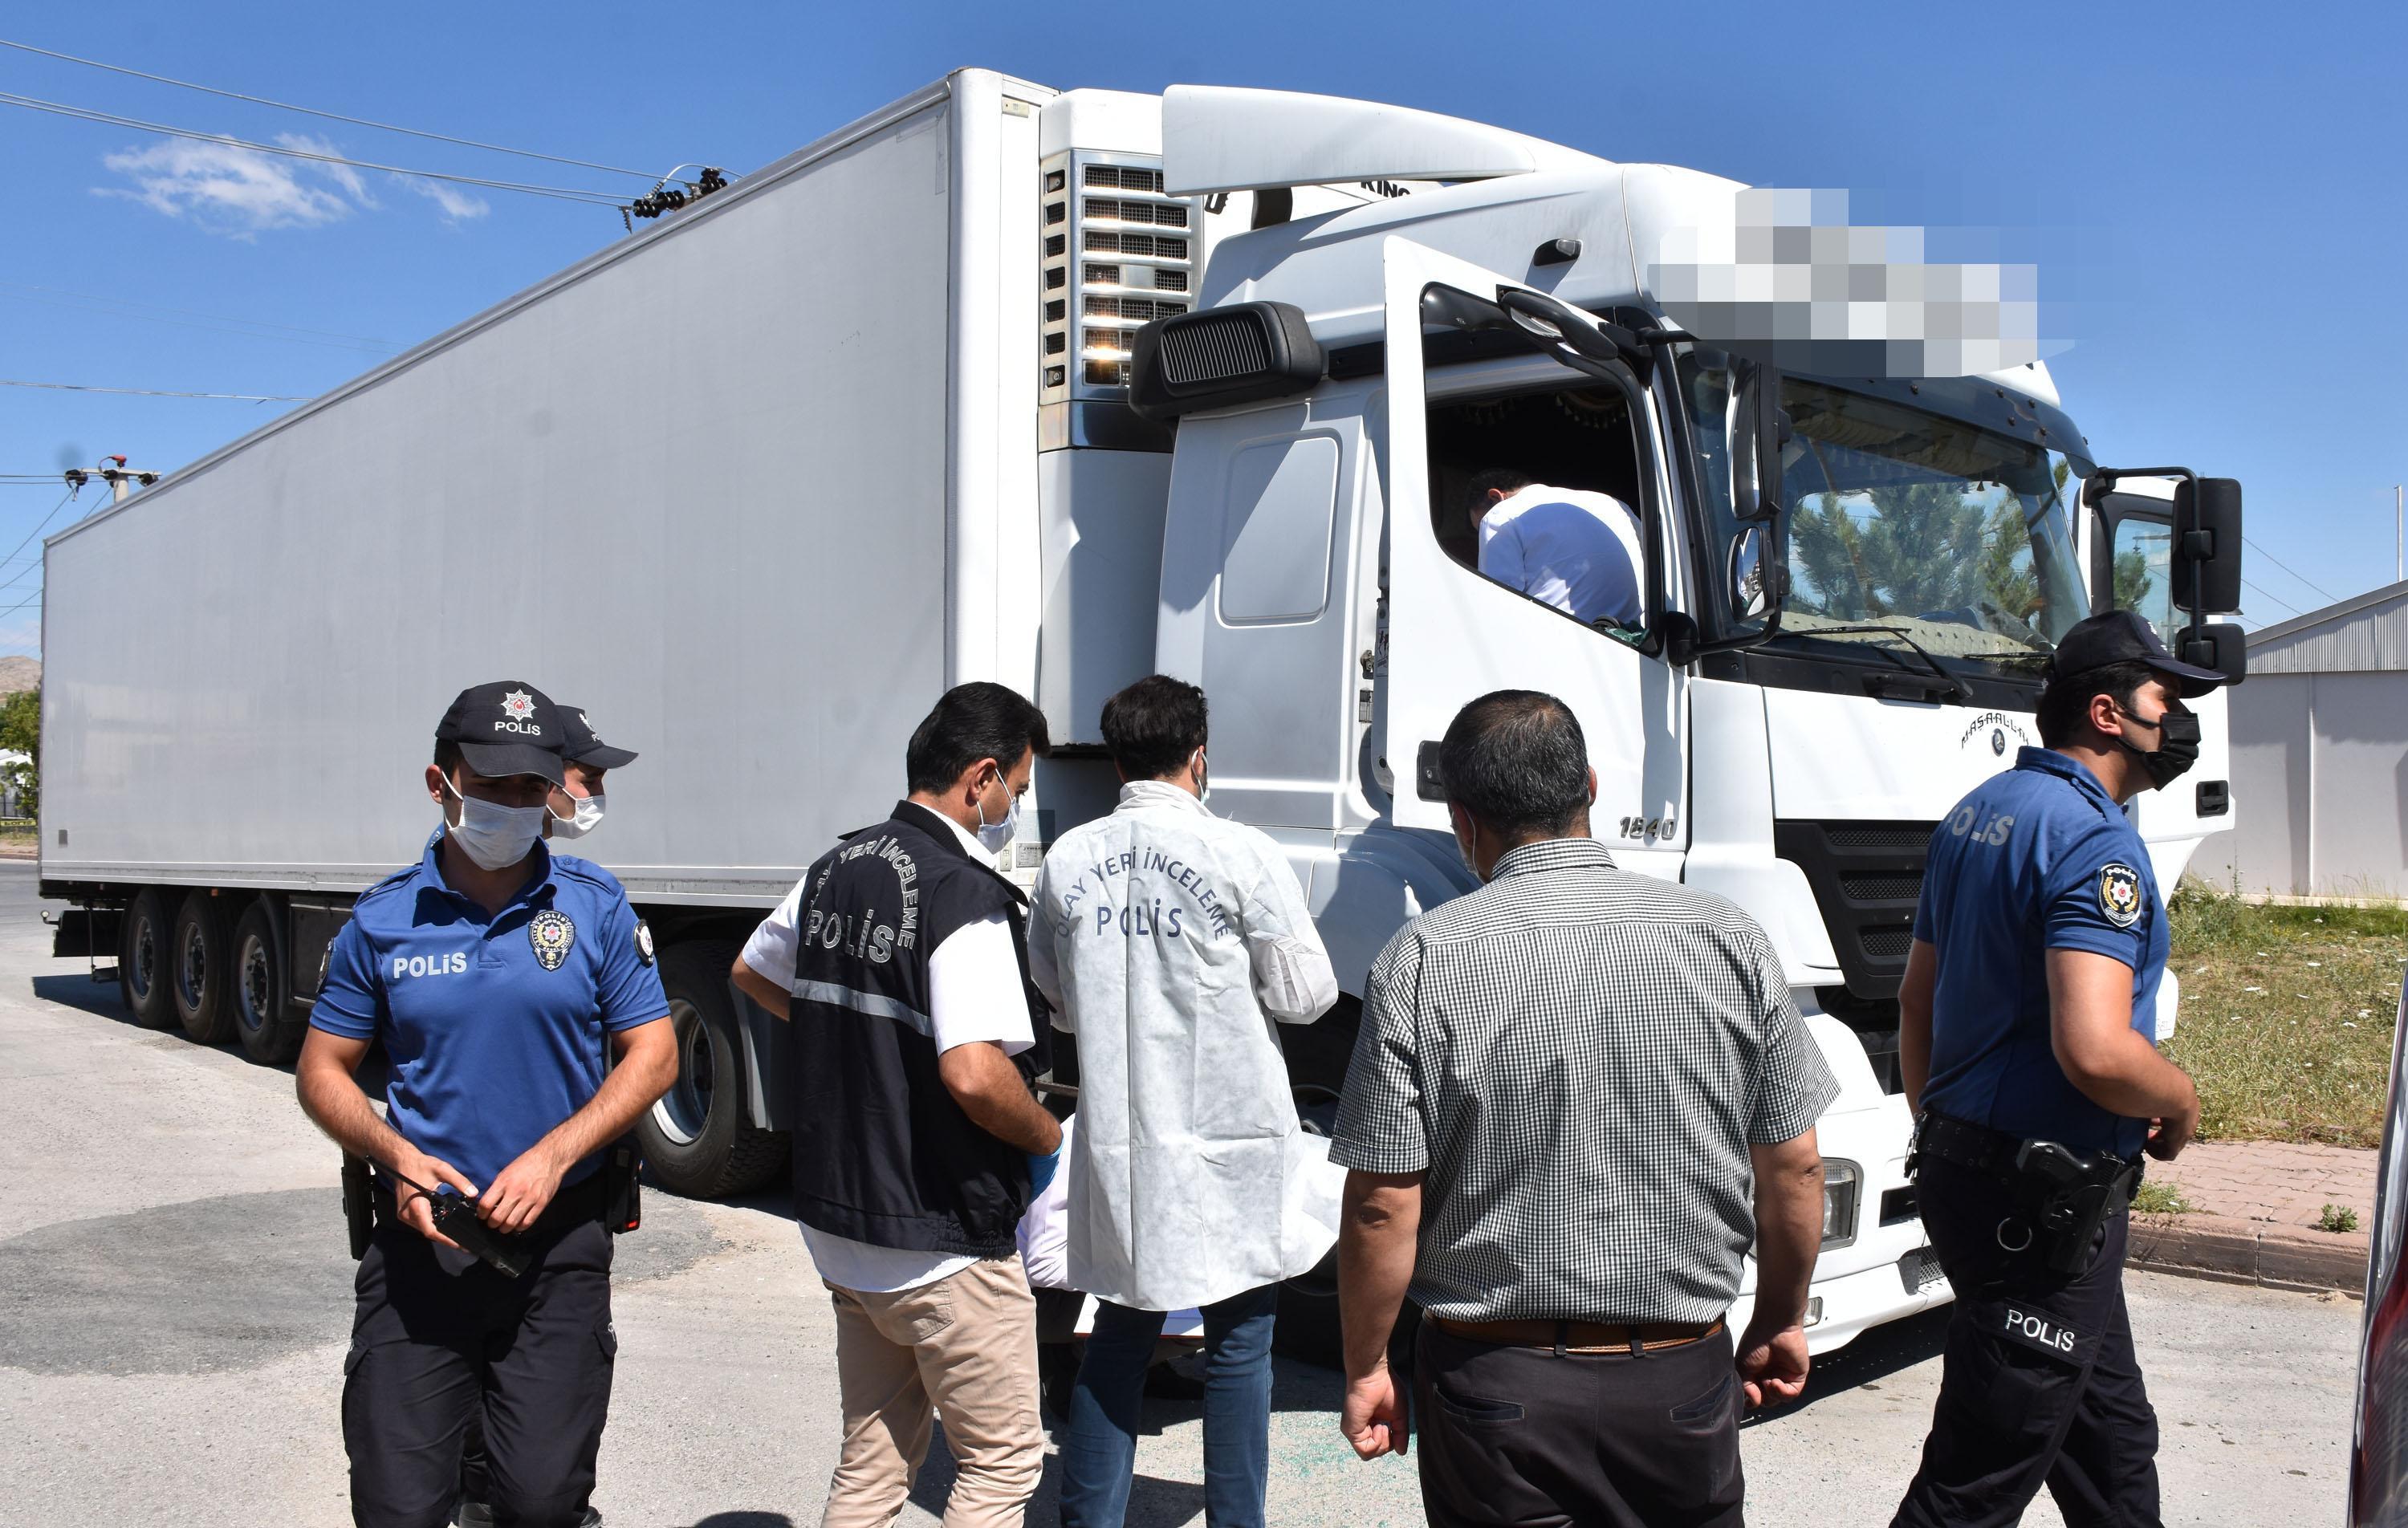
x: 883, y: 1155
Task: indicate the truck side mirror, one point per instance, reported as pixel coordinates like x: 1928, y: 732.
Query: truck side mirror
x: 1757, y: 429
x: 2207, y: 545
x: 2219, y: 645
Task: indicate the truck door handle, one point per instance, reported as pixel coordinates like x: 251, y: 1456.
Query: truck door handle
x: 1428, y: 783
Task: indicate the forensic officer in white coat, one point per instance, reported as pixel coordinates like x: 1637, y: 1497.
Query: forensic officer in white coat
x: 1168, y: 941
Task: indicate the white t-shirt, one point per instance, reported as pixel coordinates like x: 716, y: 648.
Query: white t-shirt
x: 1570, y: 547
x: 973, y: 995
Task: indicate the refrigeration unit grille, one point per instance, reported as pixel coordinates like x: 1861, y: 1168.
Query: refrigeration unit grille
x: 1109, y: 205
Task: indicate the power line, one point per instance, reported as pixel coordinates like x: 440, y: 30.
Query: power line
x: 2262, y: 595
x: 566, y: 193
x: 2285, y: 567
x: 37, y: 529
x: 313, y: 111
x: 157, y: 393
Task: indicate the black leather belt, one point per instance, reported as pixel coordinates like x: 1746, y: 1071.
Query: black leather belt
x: 1967, y: 1145
x: 1983, y: 1150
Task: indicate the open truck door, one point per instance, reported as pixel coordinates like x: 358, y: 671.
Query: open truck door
x: 1485, y: 373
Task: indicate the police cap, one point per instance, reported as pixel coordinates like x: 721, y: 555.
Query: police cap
x: 509, y: 727
x: 583, y: 748
x: 2121, y: 636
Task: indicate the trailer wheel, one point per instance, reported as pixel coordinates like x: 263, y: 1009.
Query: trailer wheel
x: 269, y: 1035
x: 142, y: 946
x: 697, y: 1137
x: 1316, y: 1054
x: 198, y: 962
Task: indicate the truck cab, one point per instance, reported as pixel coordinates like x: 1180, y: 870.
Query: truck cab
x: 1850, y: 587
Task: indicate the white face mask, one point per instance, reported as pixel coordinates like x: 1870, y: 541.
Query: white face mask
x: 992, y: 837
x: 493, y: 838
x: 1203, y: 776
x: 589, y: 815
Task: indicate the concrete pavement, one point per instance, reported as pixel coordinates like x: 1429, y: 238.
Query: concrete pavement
x: 174, y: 1309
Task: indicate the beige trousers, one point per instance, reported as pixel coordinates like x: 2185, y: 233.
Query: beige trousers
x: 964, y: 1348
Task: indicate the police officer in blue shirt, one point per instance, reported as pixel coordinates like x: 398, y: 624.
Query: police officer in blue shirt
x: 2026, y: 1022
x: 495, y: 973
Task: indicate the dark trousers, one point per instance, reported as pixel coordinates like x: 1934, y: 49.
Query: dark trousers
x: 2039, y: 1384
x: 1099, y: 1446
x: 1518, y: 1436
x: 433, y: 1342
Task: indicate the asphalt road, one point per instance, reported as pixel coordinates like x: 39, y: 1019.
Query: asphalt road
x: 175, y: 1304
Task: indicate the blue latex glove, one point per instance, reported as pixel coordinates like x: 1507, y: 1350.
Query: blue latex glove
x: 1041, y: 1170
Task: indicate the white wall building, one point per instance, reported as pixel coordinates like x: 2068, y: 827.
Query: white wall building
x: 2320, y: 756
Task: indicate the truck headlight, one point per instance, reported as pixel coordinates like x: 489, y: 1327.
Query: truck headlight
x: 1843, y: 1185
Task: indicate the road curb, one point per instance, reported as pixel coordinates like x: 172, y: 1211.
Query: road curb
x: 2238, y: 1251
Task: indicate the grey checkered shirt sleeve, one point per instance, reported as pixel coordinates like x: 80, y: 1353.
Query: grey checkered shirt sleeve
x: 1794, y: 1084
x: 1379, y: 1113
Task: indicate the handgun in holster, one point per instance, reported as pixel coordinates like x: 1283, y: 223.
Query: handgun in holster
x: 359, y: 1203
x: 623, y: 1192
x: 2067, y: 1197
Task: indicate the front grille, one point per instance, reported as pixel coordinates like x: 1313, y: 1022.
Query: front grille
x: 1867, y: 878
x: 1881, y: 888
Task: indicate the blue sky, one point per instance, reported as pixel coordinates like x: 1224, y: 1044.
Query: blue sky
x: 2215, y: 194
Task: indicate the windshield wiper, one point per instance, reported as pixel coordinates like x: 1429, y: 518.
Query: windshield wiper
x: 1957, y: 688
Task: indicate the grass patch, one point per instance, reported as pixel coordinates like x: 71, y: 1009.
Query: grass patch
x: 2287, y: 1015
x: 2158, y: 1197
x: 2337, y: 1217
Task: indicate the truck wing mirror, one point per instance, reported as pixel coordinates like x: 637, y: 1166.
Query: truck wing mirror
x: 2207, y: 545
x: 1757, y: 429
x: 2206, y: 535
x: 2219, y: 645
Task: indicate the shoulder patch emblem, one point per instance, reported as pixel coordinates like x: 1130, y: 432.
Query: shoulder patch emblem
x: 644, y: 941
x: 2119, y: 894
x: 551, y: 933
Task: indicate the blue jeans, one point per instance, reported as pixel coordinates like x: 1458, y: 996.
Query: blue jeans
x: 1099, y: 1446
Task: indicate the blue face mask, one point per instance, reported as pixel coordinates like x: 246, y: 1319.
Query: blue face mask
x: 493, y: 838
x: 588, y: 817
x: 992, y: 837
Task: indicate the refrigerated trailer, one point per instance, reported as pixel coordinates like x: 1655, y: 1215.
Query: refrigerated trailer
x: 1055, y: 389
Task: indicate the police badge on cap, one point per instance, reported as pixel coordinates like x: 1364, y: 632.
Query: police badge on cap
x: 2119, y: 894
x: 551, y: 933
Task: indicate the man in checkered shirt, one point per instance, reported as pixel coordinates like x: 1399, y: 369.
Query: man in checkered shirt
x: 1576, y: 1097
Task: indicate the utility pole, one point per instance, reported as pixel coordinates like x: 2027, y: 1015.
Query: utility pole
x: 113, y: 471
x: 2398, y: 539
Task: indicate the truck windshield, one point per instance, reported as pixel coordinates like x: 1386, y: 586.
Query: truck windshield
x: 1959, y: 536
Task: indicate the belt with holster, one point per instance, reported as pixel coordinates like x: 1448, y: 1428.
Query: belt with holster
x: 1583, y: 1336
x: 574, y: 1205
x: 2061, y: 1197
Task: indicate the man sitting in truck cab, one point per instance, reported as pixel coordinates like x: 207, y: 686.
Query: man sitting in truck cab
x: 1571, y: 548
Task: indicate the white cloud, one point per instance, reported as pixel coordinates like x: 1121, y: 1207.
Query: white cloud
x: 243, y: 193
x: 225, y: 189
x: 341, y: 175
x: 457, y: 205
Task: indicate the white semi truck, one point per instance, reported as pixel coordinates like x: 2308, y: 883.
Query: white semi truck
x: 1058, y: 388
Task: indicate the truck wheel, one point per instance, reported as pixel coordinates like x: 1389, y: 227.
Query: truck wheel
x: 268, y: 1034
x: 697, y: 1137
x: 198, y: 963
x: 142, y: 946
x: 1316, y: 1054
